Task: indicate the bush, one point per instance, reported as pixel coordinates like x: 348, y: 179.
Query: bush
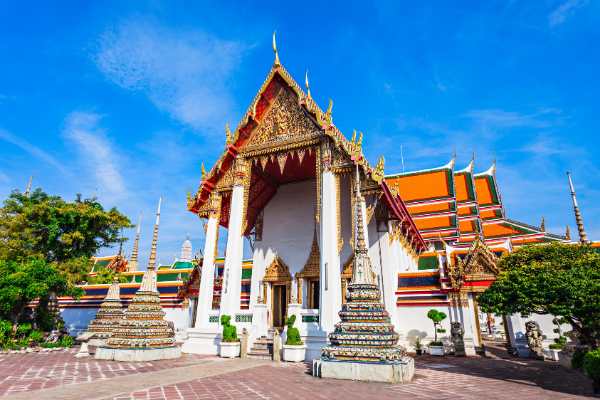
x: 591, y: 365
x: 437, y: 318
x: 50, y: 345
x: 23, y: 329
x: 293, y: 335
x: 36, y: 336
x: 67, y: 341
x: 434, y: 343
x: 556, y: 346
x: 577, y: 360
x: 418, y: 344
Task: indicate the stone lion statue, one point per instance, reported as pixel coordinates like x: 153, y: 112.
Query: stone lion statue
x: 534, y: 340
x: 456, y: 336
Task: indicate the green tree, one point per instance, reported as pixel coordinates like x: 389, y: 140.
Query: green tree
x: 29, y: 279
x: 558, y: 279
x: 437, y: 318
x: 61, y: 232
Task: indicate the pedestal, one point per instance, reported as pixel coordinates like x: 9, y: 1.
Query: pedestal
x: 396, y: 372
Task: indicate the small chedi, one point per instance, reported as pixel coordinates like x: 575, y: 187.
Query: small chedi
x: 110, y: 313
x: 143, y: 335
x: 364, y: 345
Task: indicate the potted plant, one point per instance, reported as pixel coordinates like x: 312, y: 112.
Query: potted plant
x: 436, y: 348
x: 230, y: 344
x: 418, y: 346
x: 293, y: 349
x: 557, y: 346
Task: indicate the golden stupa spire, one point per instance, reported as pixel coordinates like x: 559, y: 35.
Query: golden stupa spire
x: 154, y: 240
x: 29, y: 187
x: 133, y: 264
x: 276, y: 63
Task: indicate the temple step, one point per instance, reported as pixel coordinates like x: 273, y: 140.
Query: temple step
x: 262, y: 349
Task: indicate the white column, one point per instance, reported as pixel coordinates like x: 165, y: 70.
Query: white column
x: 330, y: 301
x: 389, y: 279
x: 232, y: 275
x: 207, y: 283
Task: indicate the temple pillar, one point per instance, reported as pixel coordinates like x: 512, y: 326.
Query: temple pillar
x: 232, y: 274
x: 330, y: 281
x: 389, y: 279
x: 205, y: 293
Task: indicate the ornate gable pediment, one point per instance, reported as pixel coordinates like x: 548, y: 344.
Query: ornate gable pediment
x: 479, y: 264
x: 277, y: 271
x: 313, y: 264
x: 226, y: 181
x: 286, y: 120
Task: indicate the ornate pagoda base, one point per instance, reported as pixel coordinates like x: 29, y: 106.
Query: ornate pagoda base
x: 139, y: 355
x: 97, y: 342
x: 393, y: 372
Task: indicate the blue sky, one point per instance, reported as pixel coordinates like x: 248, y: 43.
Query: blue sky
x: 131, y: 97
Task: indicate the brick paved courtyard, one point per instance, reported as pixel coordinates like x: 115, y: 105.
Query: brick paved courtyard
x: 59, y: 375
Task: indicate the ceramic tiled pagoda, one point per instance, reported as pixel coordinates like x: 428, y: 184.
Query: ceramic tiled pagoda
x: 364, y: 345
x: 143, y: 335
x: 110, y: 313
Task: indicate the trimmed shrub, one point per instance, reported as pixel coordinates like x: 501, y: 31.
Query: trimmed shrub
x: 293, y: 335
x: 591, y: 365
x: 577, y: 360
x: 229, y: 331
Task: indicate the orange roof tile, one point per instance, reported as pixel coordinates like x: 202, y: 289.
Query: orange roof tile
x: 466, y: 210
x: 484, y: 191
x: 430, y: 208
x: 435, y: 222
x: 491, y: 230
x: 488, y: 214
x: 462, y: 192
x: 430, y: 185
x: 466, y: 226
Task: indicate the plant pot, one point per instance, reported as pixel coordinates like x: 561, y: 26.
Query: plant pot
x: 551, y: 353
x: 436, y: 350
x: 229, y: 349
x: 294, y: 353
x: 419, y: 351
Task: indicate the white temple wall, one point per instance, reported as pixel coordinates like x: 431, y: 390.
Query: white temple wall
x: 288, y: 229
x: 413, y: 323
x: 180, y: 318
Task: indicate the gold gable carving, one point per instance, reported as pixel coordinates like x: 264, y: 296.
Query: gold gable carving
x: 226, y: 181
x: 313, y: 264
x: 285, y: 120
x: 277, y: 271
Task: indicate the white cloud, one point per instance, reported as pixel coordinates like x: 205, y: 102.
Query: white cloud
x: 36, y: 151
x: 96, y: 149
x: 564, y: 11
x: 183, y: 72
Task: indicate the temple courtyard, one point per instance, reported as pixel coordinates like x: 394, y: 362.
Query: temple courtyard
x: 58, y: 375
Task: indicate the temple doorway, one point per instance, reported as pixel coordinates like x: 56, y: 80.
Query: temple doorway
x: 279, y: 306
x: 314, y: 288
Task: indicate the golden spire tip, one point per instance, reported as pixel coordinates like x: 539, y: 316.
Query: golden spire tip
x: 276, y: 63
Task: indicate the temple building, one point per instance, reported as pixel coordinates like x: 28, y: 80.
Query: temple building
x: 434, y: 236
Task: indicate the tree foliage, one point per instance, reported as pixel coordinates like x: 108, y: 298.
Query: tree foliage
x: 106, y: 276
x: 29, y: 279
x: 557, y: 279
x: 64, y: 233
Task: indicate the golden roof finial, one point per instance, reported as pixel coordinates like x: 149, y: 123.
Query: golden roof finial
x: 189, y: 196
x: 203, y: 172
x: 377, y: 174
x: 442, y: 240
x: 454, y: 158
x: 494, y: 164
x: 307, y: 87
x: 396, y: 189
x: 543, y: 224
x: 29, y: 187
x: 228, y: 138
x: 359, y: 143
x: 567, y: 234
x: 473, y: 159
x: 276, y: 63
x: 328, y: 112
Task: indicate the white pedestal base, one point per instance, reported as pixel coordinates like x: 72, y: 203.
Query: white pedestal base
x: 96, y: 342
x: 203, y: 341
x: 294, y: 353
x: 141, y: 355
x: 401, y: 372
x: 229, y: 349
